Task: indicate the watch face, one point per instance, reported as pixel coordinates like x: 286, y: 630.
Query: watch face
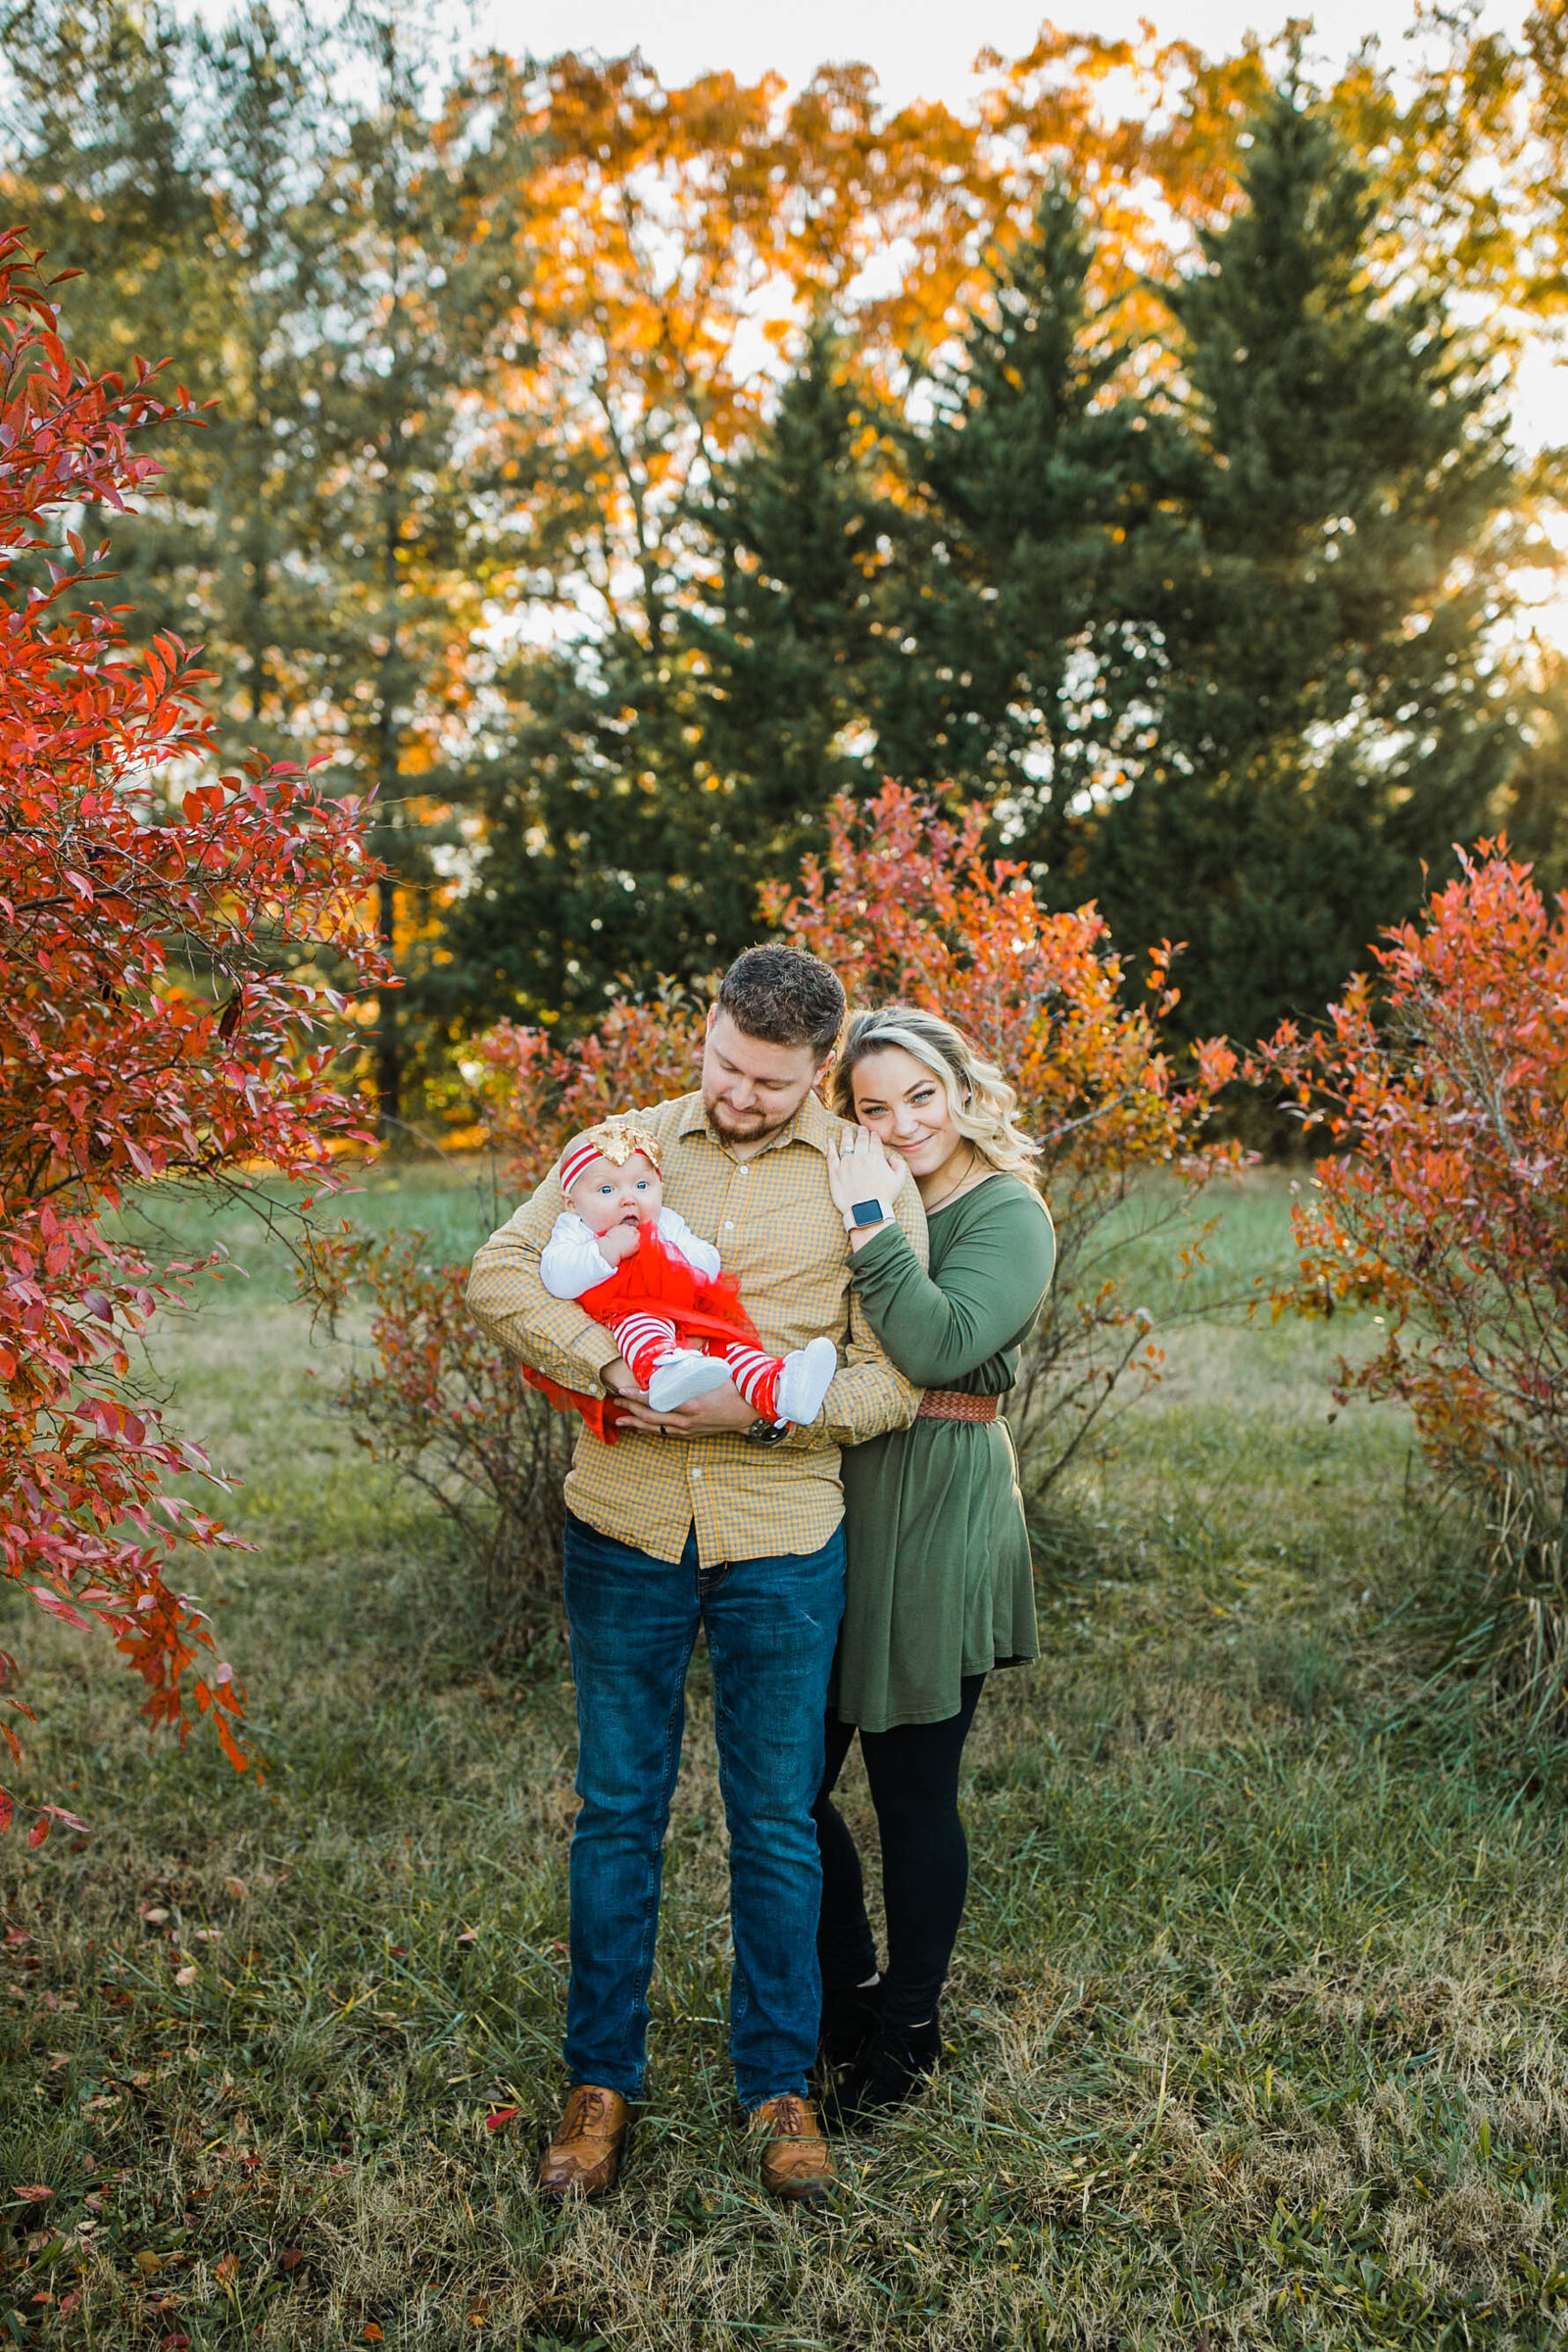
x: 868, y: 1212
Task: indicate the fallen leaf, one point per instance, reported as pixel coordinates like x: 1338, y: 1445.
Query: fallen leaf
x: 499, y: 2116
x: 154, y: 1914
x: 227, y: 2271
x: 148, y: 2263
x: 33, y: 2191
x: 187, y: 1974
x: 237, y: 1889
x: 290, y: 2258
x: 71, y: 1820
x: 373, y: 2333
x: 470, y: 1935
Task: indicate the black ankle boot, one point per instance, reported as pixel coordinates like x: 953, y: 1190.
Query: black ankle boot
x: 850, y: 2018
x: 894, y: 2068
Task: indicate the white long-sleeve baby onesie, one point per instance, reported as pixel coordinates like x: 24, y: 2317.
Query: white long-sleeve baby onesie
x: 571, y: 1261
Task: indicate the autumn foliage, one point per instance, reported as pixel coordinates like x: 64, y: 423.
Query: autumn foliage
x: 1441, y: 1079
x: 161, y: 1012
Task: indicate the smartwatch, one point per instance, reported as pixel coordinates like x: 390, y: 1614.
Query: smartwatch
x: 866, y: 1212
x: 763, y: 1431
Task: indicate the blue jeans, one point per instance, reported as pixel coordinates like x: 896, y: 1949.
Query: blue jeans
x: 771, y: 1628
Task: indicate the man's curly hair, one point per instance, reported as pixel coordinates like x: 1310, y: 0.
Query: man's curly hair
x: 783, y: 996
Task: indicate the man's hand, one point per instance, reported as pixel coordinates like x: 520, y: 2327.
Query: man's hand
x: 721, y: 1412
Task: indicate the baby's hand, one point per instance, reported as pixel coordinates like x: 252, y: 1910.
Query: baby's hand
x: 618, y: 1244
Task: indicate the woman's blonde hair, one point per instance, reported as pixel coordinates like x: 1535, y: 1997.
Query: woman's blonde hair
x: 981, y: 1101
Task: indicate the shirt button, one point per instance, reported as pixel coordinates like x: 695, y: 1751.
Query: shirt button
x: 729, y: 1224
x: 697, y: 1478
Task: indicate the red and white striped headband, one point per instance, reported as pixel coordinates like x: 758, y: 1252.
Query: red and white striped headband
x: 617, y: 1145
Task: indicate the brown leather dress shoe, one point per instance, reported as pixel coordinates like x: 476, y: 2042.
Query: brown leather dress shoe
x: 584, y: 2156
x: 797, y: 2161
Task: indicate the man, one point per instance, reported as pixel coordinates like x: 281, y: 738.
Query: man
x: 708, y: 1518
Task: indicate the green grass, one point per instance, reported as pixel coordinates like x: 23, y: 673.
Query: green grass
x: 1256, y: 2036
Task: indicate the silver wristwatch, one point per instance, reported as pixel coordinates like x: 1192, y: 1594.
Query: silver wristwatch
x: 763, y: 1431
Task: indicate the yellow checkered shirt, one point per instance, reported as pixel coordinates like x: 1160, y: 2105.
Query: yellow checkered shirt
x: 773, y: 1221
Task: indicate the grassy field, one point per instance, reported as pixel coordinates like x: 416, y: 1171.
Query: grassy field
x: 1257, y: 2034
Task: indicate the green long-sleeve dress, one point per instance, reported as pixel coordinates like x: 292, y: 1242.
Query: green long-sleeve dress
x: 940, y: 1581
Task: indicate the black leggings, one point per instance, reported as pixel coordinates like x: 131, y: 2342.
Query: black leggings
x: 913, y: 1772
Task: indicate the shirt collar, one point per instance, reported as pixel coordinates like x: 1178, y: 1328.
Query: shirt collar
x: 810, y: 1125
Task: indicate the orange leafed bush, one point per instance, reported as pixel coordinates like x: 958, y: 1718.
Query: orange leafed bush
x: 154, y: 1021
x: 1441, y: 1081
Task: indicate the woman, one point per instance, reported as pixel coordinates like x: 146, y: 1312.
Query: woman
x: 940, y: 1587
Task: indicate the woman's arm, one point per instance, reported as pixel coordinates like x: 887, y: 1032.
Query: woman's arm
x: 989, y: 1287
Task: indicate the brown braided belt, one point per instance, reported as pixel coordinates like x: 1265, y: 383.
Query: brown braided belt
x: 956, y: 1405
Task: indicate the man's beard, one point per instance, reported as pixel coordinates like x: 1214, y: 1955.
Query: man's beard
x: 748, y: 1127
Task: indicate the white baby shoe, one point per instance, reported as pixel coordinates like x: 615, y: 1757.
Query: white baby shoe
x: 683, y: 1374
x: 805, y: 1379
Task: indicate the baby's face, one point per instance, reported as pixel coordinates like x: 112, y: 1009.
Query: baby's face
x: 605, y: 1195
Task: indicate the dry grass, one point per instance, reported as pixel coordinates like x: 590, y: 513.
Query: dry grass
x: 1258, y: 2036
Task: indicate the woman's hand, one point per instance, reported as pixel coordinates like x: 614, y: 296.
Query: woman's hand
x: 859, y: 1169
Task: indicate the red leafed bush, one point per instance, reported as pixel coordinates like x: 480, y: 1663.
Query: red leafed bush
x: 159, y: 1010
x: 1442, y: 1083
x: 904, y: 904
x: 538, y: 1095
x: 442, y: 1404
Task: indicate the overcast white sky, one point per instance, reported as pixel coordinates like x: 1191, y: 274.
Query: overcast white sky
x: 920, y: 48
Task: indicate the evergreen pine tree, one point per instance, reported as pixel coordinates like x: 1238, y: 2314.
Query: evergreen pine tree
x: 1326, y: 710
x: 335, y: 266
x: 661, y: 773
x: 94, y: 158
x: 410, y: 276
x: 1024, y: 679
x: 237, y: 516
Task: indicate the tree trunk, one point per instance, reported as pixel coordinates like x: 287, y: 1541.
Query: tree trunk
x: 388, y: 1042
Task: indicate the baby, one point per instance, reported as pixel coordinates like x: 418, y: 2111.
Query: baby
x: 640, y: 1270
